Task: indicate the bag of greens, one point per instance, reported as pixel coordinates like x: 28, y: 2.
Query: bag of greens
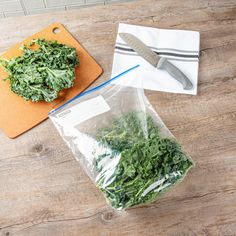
x: 122, y: 143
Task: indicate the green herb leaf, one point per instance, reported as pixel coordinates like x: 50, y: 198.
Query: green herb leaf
x: 148, y: 165
x: 41, y: 74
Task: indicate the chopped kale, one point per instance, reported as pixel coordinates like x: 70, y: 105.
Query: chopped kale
x: 39, y: 75
x: 145, y: 164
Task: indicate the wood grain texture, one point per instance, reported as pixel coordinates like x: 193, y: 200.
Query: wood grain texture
x: 44, y: 191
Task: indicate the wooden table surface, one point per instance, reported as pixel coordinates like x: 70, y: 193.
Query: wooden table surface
x: 44, y: 191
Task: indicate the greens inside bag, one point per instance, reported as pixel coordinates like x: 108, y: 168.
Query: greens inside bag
x: 122, y: 144
x: 148, y: 164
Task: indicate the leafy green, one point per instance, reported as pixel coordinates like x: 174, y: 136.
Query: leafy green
x: 41, y: 74
x: 144, y: 164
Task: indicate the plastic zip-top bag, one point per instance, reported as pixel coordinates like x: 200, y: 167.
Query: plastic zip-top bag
x: 122, y: 143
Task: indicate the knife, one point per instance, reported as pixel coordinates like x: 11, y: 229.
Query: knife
x: 159, y: 62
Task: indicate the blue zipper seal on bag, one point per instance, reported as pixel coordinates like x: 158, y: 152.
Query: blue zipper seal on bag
x: 94, y: 89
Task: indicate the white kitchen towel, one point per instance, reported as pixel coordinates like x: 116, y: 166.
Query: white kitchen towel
x: 181, y: 47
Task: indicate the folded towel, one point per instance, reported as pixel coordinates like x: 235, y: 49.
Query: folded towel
x: 181, y: 47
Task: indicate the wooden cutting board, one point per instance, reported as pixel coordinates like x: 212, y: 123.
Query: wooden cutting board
x: 18, y: 115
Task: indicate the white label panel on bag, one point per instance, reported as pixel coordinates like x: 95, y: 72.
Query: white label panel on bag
x: 84, y: 111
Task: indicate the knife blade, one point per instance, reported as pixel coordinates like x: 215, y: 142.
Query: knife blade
x: 152, y: 58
